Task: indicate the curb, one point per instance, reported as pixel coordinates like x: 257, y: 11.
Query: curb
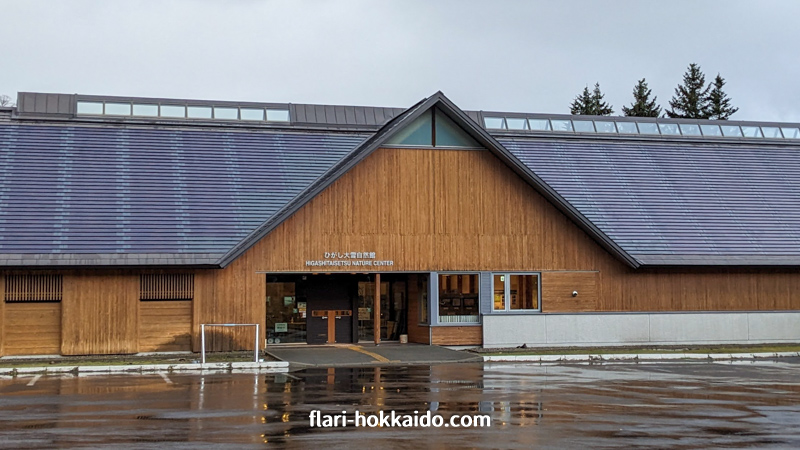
x: 266, y: 367
x: 635, y: 357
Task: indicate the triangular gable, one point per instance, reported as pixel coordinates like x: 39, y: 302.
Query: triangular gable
x: 457, y: 122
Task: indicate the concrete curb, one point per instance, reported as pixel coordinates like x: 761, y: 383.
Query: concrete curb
x: 634, y: 357
x: 266, y: 367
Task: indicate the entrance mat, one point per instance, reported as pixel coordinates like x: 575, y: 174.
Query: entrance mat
x: 369, y: 354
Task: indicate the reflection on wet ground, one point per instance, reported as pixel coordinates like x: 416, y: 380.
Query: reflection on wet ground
x: 677, y: 405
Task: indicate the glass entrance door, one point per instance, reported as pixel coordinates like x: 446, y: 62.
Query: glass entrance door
x: 393, y: 310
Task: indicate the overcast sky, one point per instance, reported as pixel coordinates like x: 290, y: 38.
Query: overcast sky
x: 531, y: 56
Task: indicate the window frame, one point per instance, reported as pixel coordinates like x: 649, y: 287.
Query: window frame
x: 507, y: 294
x: 438, y: 300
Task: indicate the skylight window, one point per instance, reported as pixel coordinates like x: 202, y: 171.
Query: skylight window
x: 627, y: 127
x: 496, y: 123
x: 711, y: 130
x: 648, y: 128
x: 94, y: 108
x: 791, y: 133
x: 752, y: 132
x: 514, y: 123
x: 118, y: 109
x: 583, y: 126
x: 198, y: 112
x: 539, y: 125
x: 226, y: 113
x: 772, y: 132
x: 670, y: 129
x: 690, y: 129
x: 145, y: 110
x: 731, y: 131
x: 561, y: 125
x: 173, y: 111
x: 277, y: 115
x: 605, y: 127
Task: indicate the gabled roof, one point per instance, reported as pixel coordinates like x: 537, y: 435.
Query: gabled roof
x: 673, y: 204
x: 443, y: 104
x: 79, y: 195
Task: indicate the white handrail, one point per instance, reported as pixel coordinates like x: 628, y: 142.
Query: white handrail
x: 203, y: 336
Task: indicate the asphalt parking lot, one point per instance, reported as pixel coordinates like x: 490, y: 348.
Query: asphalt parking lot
x: 664, y: 405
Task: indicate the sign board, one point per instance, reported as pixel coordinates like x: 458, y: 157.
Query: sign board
x: 364, y: 314
x: 281, y: 327
x: 349, y: 259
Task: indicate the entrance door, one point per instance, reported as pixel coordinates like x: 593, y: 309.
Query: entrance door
x: 393, y: 309
x: 328, y: 293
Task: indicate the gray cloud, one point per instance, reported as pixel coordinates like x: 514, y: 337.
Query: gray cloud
x: 499, y: 55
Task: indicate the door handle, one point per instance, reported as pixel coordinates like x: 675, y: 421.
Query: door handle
x: 324, y: 317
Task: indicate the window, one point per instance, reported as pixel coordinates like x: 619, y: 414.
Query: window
x: 199, y: 112
x: 515, y: 292
x: 605, y: 127
x: 561, y: 125
x: 145, y: 110
x: 539, y: 124
x: 752, y: 132
x: 583, y: 126
x: 496, y: 123
x: 669, y: 129
x: 95, y: 108
x: 515, y: 123
x: 648, y: 128
x: 458, y: 298
x: 731, y: 131
x: 166, y: 286
x: 251, y: 114
x: 173, y: 111
x: 277, y: 115
x: 226, y: 113
x: 791, y: 133
x: 772, y: 132
x: 627, y: 127
x: 433, y: 129
x: 711, y: 130
x: 33, y: 288
x: 690, y: 129
x: 118, y: 109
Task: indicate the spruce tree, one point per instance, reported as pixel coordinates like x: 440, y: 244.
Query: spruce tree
x: 691, y: 98
x: 719, y: 104
x: 642, y: 106
x: 591, y: 103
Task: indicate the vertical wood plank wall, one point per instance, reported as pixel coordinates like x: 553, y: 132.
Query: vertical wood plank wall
x: 165, y: 326
x: 100, y: 313
x: 2, y: 312
x: 416, y: 333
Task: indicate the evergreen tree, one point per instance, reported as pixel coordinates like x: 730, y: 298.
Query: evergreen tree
x: 691, y: 98
x: 719, y: 104
x: 642, y: 106
x: 591, y: 103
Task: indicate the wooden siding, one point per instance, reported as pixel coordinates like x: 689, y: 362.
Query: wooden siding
x: 2, y: 314
x: 416, y: 332
x: 165, y: 326
x: 100, y: 313
x: 557, y: 289
x: 32, y: 328
x: 471, y: 335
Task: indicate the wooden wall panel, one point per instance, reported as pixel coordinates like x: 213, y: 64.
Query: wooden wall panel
x: 100, y: 313
x: 165, y: 326
x: 469, y: 335
x: 416, y: 333
x: 557, y: 289
x: 32, y: 328
x: 236, y: 294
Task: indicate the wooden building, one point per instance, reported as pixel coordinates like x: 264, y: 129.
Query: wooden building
x: 127, y: 223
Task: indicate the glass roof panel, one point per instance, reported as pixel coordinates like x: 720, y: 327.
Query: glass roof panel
x: 118, y: 109
x: 226, y: 113
x: 173, y: 111
x: 647, y: 128
x: 752, y: 132
x: 791, y: 133
x: 772, y: 132
x: 711, y: 130
x: 583, y: 126
x: 277, y: 115
x: 251, y: 114
x: 495, y: 123
x: 539, y: 124
x: 90, y: 108
x: 515, y: 123
x: 690, y: 129
x: 145, y: 110
x: 603, y: 126
x: 561, y: 125
x: 731, y: 130
x: 199, y: 112
x: 669, y: 129
x: 627, y: 128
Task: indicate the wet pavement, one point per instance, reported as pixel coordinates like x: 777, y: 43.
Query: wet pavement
x: 369, y: 354
x: 663, y: 405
